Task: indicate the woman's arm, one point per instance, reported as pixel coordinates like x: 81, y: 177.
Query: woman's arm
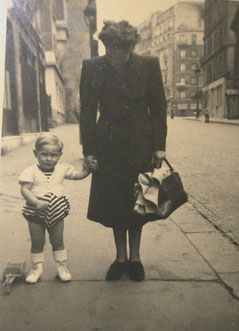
x: 157, y: 106
x: 31, y: 198
x: 88, y: 109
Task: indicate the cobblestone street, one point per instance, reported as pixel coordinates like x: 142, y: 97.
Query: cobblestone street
x: 207, y: 155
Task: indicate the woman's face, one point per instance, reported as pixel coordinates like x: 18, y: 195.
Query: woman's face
x: 117, y: 56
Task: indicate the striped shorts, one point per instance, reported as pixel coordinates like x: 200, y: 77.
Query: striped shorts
x: 58, y: 208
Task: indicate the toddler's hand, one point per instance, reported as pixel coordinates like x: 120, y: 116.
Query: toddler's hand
x: 94, y: 165
x: 41, y: 205
x: 91, y: 162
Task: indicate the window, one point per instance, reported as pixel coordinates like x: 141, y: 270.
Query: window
x: 194, y: 66
x: 194, y: 39
x: 193, y: 53
x: 219, y: 95
x: 193, y: 80
x: 182, y: 80
x: 193, y: 93
x: 57, y: 93
x: 182, y: 67
x: 220, y: 37
x: 182, y: 95
x: 165, y: 63
x: 166, y: 79
x: 212, y: 97
x: 182, y: 53
x: 183, y: 38
x: 209, y: 46
x: 59, y: 10
x: 7, y: 92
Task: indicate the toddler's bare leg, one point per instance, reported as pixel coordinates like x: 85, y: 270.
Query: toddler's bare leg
x: 37, y: 233
x: 56, y: 236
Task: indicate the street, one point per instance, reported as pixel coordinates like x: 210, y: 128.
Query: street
x: 207, y: 156
x: 192, y: 269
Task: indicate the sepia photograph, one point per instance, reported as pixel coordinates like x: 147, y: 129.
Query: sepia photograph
x: 119, y: 167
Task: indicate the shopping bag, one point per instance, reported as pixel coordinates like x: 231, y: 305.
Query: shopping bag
x: 159, y: 193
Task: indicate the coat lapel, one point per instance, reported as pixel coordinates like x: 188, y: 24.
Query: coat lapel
x: 133, y: 79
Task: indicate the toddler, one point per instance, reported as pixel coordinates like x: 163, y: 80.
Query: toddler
x: 46, y: 205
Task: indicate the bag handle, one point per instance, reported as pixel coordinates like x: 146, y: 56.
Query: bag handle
x: 168, y: 164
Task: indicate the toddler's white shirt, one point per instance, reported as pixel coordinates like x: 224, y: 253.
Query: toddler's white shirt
x: 41, y: 185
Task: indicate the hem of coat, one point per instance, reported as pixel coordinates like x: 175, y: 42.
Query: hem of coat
x: 107, y: 225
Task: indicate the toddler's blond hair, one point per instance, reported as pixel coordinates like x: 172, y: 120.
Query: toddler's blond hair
x: 47, y: 138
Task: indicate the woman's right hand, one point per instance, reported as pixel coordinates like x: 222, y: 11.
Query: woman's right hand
x: 41, y: 205
x: 91, y: 162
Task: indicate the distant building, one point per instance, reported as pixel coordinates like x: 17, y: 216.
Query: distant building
x: 162, y: 45
x: 235, y: 28
x: 54, y: 34
x: 144, y: 46
x: 177, y: 40
x: 219, y: 87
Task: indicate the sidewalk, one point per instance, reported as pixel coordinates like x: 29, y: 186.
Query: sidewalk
x: 213, y: 120
x: 192, y: 271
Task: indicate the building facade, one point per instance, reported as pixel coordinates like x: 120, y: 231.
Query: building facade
x: 220, y: 96
x: 177, y: 40
x: 43, y: 64
x: 25, y: 99
x: 187, y: 58
x: 54, y: 34
x: 235, y: 29
x: 144, y: 30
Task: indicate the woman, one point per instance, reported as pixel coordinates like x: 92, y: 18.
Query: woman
x: 128, y: 137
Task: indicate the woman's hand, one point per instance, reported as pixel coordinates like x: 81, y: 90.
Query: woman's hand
x: 158, y: 158
x: 91, y: 162
x: 41, y: 205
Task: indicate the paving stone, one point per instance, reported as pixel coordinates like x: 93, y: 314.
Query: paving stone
x: 222, y: 255
x: 168, y: 254
x: 190, y: 221
x: 120, y: 306
x: 232, y: 280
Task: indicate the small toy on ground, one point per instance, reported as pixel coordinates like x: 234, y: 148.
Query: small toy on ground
x: 12, y: 271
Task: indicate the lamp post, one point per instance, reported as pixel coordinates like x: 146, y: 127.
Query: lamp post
x: 197, y: 73
x: 90, y: 21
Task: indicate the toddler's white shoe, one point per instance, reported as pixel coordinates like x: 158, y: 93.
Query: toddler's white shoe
x: 34, y: 274
x: 62, y: 271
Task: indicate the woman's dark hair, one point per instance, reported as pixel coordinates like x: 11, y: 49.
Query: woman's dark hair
x: 120, y: 35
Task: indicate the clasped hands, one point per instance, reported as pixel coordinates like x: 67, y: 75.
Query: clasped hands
x: 157, y: 159
x: 91, y: 162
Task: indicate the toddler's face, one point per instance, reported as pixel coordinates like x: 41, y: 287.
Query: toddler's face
x: 48, y: 156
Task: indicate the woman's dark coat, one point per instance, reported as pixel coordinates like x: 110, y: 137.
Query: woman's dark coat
x: 132, y: 124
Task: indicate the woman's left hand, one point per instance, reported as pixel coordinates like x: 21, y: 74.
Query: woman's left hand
x: 158, y: 158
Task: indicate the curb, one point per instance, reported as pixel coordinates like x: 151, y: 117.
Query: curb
x: 211, y: 120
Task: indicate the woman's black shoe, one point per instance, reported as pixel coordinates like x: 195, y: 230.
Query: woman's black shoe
x: 116, y: 270
x: 136, y: 271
